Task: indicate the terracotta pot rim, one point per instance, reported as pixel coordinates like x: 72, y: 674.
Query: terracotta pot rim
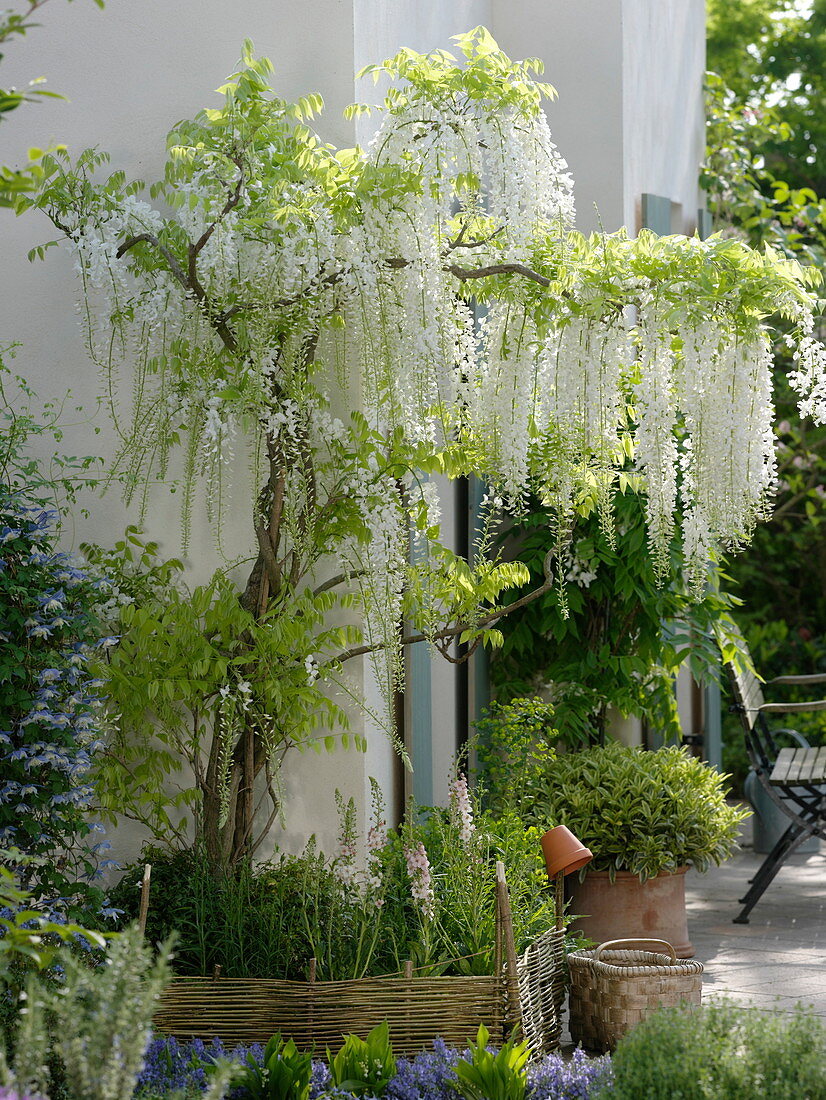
x: 633, y: 874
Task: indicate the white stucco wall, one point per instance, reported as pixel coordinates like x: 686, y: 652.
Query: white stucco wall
x: 130, y: 72
x: 627, y: 119
x: 664, y: 56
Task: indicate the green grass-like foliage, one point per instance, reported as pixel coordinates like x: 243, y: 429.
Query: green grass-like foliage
x: 641, y: 811
x: 489, y: 1076
x: 283, y: 1075
x: 722, y: 1052
x: 364, y: 1067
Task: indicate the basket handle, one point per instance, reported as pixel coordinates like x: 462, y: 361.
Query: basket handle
x: 614, y: 943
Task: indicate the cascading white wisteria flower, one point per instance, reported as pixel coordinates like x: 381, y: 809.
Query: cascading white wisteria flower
x: 421, y: 305
x: 725, y: 400
x: 656, y: 446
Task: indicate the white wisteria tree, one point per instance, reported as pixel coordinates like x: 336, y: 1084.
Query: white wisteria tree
x: 366, y: 317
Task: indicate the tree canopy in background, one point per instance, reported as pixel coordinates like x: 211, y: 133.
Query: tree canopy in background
x: 772, y: 54
x: 765, y: 177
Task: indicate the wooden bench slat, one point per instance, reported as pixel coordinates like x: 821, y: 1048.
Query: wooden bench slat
x: 800, y: 766
x: 798, y: 760
x: 807, y: 765
x: 780, y: 771
x: 817, y: 772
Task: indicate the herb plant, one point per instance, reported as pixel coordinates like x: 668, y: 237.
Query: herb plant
x: 721, y: 1051
x: 97, y: 1019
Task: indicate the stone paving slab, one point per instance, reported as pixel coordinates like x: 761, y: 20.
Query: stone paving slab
x: 778, y: 959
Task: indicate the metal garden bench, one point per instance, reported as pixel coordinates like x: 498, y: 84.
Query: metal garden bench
x: 793, y: 778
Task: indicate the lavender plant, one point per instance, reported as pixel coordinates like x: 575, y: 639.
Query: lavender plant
x: 431, y: 1075
x: 186, y: 1067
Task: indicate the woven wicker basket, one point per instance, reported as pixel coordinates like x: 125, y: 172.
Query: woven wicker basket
x: 614, y: 987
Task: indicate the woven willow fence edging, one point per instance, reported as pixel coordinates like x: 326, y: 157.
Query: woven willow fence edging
x: 418, y: 1010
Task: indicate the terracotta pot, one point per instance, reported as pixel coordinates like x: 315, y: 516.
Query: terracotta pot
x: 563, y: 852
x: 628, y: 908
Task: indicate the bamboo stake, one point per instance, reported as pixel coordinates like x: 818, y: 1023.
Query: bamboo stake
x: 144, y: 909
x: 510, y: 947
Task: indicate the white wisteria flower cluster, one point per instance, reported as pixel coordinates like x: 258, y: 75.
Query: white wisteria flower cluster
x: 424, y: 306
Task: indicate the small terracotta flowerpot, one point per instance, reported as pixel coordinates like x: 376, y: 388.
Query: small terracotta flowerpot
x: 563, y: 852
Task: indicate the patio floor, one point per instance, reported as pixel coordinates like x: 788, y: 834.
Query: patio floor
x: 776, y: 960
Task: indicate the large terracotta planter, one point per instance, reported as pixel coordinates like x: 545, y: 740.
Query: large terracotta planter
x: 629, y: 908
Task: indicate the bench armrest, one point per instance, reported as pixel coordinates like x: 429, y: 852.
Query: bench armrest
x: 792, y: 708
x: 813, y: 678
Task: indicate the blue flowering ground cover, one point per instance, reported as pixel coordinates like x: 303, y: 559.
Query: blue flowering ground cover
x: 172, y: 1065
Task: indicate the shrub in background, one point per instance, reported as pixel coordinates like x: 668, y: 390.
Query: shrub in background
x: 50, y: 704
x: 721, y: 1052
x: 614, y: 631
x: 641, y: 811
x: 515, y: 748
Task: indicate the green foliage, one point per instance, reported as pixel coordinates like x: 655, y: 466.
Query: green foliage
x: 97, y: 1020
x: 27, y: 425
x: 515, y: 750
x: 765, y: 174
x: 489, y: 1076
x: 639, y: 811
x: 721, y: 1052
x: 364, y: 1067
x: 50, y: 706
x: 271, y: 919
x: 28, y: 939
x: 610, y: 633
x: 194, y: 669
x: 284, y: 1073
x: 773, y: 52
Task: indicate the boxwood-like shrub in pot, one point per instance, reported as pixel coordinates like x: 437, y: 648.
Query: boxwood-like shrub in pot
x: 646, y: 816
x: 641, y: 811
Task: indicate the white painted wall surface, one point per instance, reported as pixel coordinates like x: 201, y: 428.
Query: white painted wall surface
x: 664, y: 57
x: 629, y: 118
x: 131, y: 72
